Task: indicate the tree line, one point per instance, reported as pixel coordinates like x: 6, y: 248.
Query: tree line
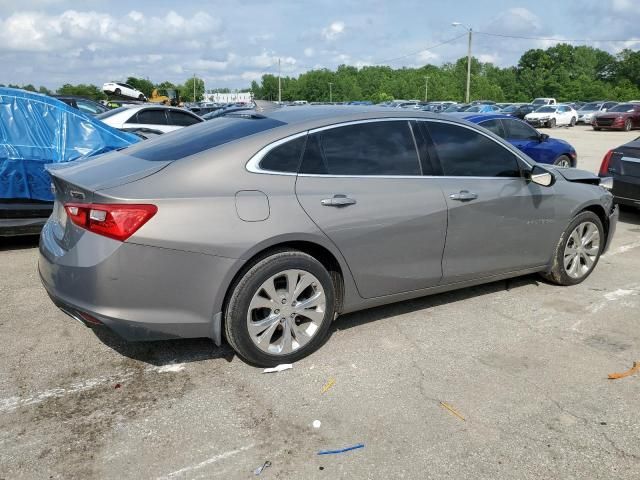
x: 564, y: 71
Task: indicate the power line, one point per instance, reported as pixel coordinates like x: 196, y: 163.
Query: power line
x: 382, y: 62
x: 583, y: 40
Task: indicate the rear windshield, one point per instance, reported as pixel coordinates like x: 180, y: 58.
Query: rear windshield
x: 198, y: 138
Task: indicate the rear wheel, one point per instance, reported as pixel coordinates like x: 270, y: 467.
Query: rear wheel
x: 578, y: 250
x: 574, y: 120
x: 627, y: 125
x: 281, y: 309
x: 562, y: 161
x: 141, y: 97
x: 117, y: 91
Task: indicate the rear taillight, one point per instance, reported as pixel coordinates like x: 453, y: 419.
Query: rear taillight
x: 117, y: 221
x: 604, y: 166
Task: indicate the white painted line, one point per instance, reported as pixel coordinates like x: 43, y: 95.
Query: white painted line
x: 622, y: 249
x: 13, y: 403
x: 209, y: 461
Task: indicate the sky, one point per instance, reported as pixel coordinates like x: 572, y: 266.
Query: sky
x: 231, y: 43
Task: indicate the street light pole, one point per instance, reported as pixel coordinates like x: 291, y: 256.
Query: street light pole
x: 426, y: 88
x: 470, y: 30
x: 330, y: 93
x: 279, y: 85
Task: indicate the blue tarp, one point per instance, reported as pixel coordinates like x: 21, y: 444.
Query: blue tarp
x: 36, y: 130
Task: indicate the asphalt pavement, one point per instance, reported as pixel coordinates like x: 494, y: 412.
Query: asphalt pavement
x: 506, y: 380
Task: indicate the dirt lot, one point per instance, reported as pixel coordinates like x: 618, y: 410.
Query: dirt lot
x: 523, y: 362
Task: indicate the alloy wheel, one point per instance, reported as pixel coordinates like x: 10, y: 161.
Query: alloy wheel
x: 581, y: 250
x: 286, y: 312
x: 563, y: 162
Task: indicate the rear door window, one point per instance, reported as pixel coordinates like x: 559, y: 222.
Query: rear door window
x: 495, y: 126
x: 150, y: 117
x: 181, y: 119
x: 463, y: 152
x: 363, y: 149
x: 519, y: 130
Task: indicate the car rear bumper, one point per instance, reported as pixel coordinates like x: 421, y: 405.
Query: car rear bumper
x: 139, y: 292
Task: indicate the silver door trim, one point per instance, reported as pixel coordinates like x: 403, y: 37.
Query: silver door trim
x: 630, y: 159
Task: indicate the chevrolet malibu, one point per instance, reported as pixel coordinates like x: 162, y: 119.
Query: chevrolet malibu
x: 263, y: 228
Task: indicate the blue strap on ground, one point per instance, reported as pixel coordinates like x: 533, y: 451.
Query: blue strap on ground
x: 347, y: 449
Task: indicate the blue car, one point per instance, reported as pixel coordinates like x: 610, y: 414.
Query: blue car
x: 539, y: 146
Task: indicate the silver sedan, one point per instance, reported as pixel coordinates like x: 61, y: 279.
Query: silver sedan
x: 262, y: 229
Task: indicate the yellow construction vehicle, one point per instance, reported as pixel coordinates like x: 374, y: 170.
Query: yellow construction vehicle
x: 165, y: 96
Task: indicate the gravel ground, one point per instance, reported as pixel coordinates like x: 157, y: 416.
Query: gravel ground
x: 523, y: 363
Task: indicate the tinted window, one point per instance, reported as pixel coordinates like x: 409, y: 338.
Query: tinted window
x: 206, y: 135
x: 182, y: 119
x: 90, y: 107
x: 623, y: 107
x: 466, y: 153
x: 149, y: 117
x: 376, y: 148
x: 494, y: 126
x: 285, y: 157
x: 519, y: 130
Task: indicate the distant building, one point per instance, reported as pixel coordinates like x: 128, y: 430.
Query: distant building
x: 239, y: 97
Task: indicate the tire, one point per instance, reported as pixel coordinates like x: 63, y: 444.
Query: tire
x: 293, y: 333
x: 141, y: 97
x: 574, y: 120
x: 627, y: 125
x: 597, y: 129
x: 564, y: 270
x: 117, y: 91
x: 552, y: 123
x: 563, y: 161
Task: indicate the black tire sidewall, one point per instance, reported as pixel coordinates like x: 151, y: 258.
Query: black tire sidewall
x: 559, y: 271
x: 236, y: 312
x: 117, y: 91
x: 627, y: 125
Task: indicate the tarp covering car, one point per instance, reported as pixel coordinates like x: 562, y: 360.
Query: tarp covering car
x: 36, y: 130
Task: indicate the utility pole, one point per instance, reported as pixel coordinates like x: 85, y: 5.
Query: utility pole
x: 279, y: 84
x: 426, y: 88
x: 470, y: 30
x: 330, y: 93
x: 194, y: 88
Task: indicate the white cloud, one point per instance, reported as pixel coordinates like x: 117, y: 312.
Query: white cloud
x: 309, y: 52
x: 39, y: 32
x: 333, y: 31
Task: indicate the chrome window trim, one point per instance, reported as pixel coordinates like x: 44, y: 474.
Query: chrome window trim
x: 630, y: 159
x: 253, y: 165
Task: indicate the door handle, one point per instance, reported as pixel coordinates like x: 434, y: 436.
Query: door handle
x: 338, y: 201
x: 463, y: 196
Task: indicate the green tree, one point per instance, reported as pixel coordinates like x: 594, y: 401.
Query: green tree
x: 187, y: 90
x: 88, y: 91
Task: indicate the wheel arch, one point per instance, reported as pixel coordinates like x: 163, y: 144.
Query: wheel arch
x: 600, y: 212
x: 327, y: 255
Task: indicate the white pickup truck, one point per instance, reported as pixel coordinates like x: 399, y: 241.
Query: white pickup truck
x: 538, y: 102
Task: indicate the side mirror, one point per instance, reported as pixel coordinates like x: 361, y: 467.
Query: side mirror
x: 540, y: 176
x: 543, y: 137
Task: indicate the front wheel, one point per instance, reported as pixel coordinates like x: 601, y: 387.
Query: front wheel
x: 573, y: 122
x: 578, y: 250
x: 117, y: 91
x: 552, y: 123
x: 281, y: 309
x: 141, y: 97
x: 627, y: 125
x: 562, y: 161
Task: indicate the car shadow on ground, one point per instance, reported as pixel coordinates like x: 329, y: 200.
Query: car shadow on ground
x: 19, y: 243
x: 363, y: 317
x: 165, y: 352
